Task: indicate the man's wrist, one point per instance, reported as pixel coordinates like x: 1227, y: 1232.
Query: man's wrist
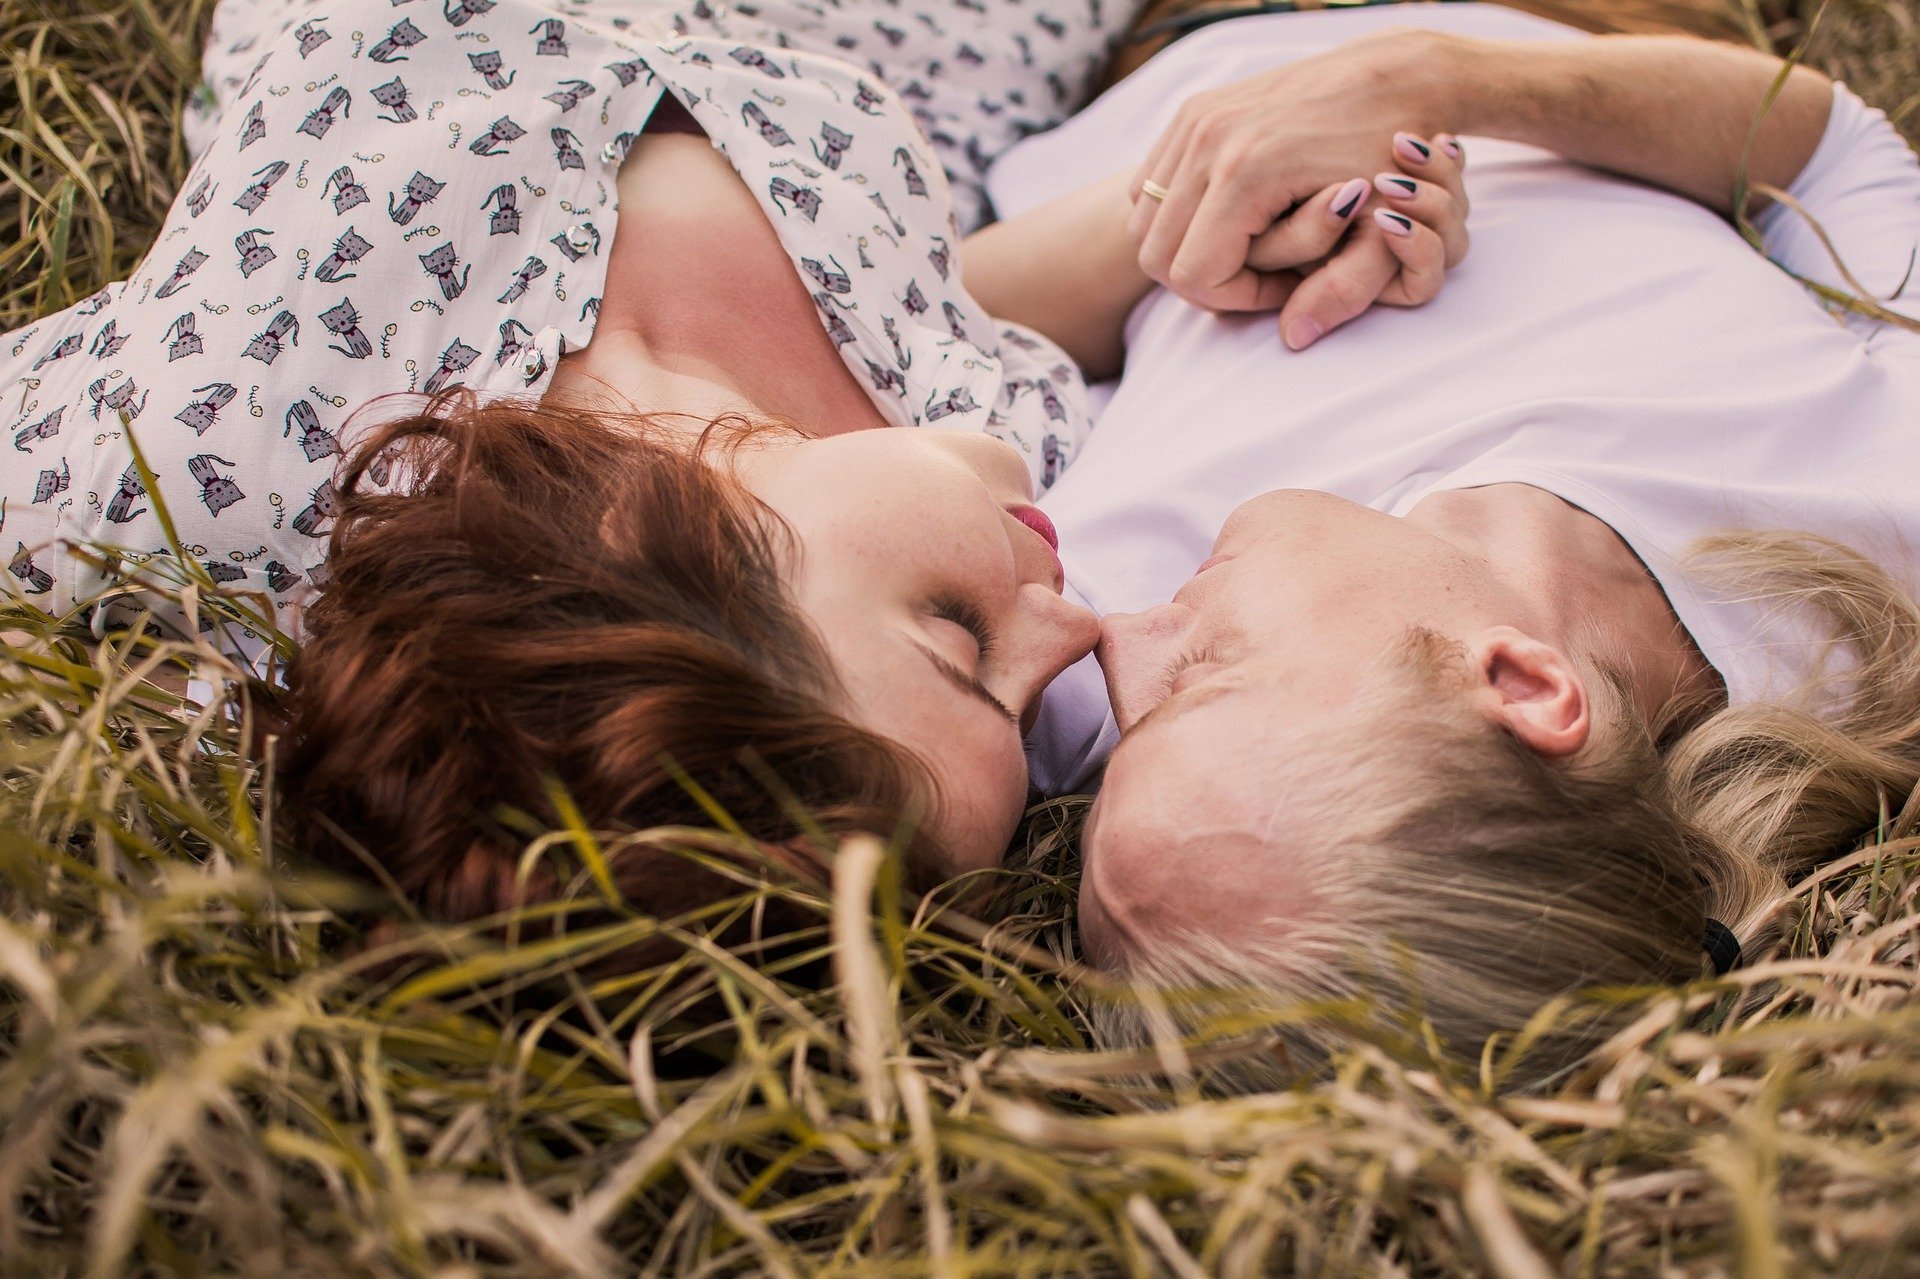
x: 1446, y: 83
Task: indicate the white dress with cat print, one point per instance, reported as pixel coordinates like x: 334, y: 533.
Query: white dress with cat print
x: 401, y: 197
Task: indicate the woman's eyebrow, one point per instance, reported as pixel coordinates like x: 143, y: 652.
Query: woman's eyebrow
x: 967, y: 683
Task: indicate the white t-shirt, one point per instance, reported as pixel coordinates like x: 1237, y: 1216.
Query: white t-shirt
x: 1613, y: 344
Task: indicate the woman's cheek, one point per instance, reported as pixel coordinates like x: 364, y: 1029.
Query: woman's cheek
x: 984, y: 801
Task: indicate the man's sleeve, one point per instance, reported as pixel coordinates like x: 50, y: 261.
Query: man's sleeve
x: 1862, y: 188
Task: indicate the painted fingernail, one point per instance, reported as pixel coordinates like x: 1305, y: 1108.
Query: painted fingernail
x: 1396, y: 187
x: 1302, y: 333
x: 1350, y: 198
x: 1392, y: 223
x: 1452, y: 146
x: 1412, y: 149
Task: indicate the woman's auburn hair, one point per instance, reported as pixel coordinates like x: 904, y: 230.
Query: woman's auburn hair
x: 553, y: 607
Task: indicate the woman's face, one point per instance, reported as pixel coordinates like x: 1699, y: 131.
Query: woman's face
x: 923, y: 566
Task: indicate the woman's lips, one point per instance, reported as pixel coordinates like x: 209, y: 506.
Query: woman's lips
x: 1036, y: 519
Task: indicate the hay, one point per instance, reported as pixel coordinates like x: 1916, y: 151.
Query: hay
x: 203, y: 1069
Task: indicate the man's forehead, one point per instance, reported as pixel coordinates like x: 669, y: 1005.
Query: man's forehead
x: 1186, y: 848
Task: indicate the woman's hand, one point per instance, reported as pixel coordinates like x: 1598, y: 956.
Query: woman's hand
x: 1070, y: 270
x: 1258, y: 174
x: 1411, y: 226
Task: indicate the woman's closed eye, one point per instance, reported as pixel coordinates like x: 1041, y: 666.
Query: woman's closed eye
x: 972, y: 630
x: 970, y: 619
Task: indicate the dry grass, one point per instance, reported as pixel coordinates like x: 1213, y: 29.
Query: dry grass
x: 203, y: 1070
x: 1874, y: 45
x: 204, y: 1073
x: 90, y: 148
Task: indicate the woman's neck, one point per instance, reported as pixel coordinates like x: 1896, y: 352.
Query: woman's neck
x: 619, y: 373
x: 702, y: 312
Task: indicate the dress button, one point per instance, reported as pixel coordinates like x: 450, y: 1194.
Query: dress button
x: 579, y: 235
x: 530, y: 362
x: 610, y: 153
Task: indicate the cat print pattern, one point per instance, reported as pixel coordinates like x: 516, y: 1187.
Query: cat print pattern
x: 390, y: 202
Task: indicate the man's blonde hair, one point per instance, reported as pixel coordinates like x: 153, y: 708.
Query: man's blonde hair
x: 1469, y: 881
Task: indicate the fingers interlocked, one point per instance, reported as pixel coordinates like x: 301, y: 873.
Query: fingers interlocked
x: 1218, y: 243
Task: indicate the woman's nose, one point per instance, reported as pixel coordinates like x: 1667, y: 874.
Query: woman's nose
x: 1135, y: 651
x: 1061, y: 632
x: 1070, y: 630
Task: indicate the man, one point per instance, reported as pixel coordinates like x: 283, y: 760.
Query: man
x: 1432, y: 686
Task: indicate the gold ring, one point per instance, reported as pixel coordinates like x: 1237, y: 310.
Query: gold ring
x: 1153, y: 190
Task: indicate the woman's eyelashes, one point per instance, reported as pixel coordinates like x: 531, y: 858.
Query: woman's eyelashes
x: 972, y: 622
x: 968, y: 617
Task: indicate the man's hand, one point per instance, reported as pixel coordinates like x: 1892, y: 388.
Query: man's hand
x: 1259, y: 175
x: 1255, y: 172
x: 1333, y: 256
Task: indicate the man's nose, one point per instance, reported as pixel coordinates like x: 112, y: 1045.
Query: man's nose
x: 1135, y: 651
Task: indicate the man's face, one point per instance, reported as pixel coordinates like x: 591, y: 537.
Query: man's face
x: 1304, y: 592
x: 1222, y: 694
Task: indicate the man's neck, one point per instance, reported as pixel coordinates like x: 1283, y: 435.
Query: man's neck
x: 1591, y: 593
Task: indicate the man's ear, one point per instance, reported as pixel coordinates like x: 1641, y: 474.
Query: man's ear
x: 1531, y: 689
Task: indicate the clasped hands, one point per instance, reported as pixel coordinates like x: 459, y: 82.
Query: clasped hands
x: 1313, y: 189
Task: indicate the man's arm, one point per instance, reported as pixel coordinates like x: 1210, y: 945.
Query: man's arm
x: 1853, y: 226
x: 1673, y: 111
x: 1677, y: 113
x: 1243, y: 163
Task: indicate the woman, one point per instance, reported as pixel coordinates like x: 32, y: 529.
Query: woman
x: 660, y: 610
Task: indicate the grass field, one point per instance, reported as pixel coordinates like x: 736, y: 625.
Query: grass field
x: 208, y: 1067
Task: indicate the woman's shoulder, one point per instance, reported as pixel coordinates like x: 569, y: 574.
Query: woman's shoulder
x: 381, y: 207
x: 392, y: 187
